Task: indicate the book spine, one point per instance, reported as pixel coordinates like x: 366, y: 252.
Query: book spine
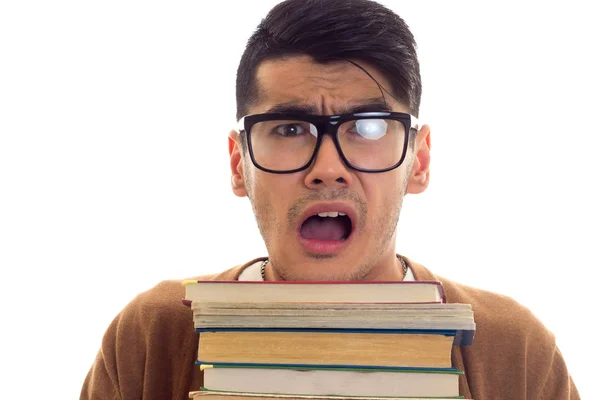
x: 462, y: 337
x: 208, y: 364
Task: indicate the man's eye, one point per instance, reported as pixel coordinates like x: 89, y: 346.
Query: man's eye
x: 290, y: 130
x: 372, y: 129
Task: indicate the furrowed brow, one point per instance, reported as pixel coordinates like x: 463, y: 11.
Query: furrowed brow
x: 368, y: 105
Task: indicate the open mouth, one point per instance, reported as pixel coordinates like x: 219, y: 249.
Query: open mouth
x: 327, y: 226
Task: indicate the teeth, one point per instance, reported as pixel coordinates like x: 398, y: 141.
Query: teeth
x: 332, y: 214
x: 328, y: 214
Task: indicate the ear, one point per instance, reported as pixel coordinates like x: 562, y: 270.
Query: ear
x: 419, y: 175
x: 238, y: 184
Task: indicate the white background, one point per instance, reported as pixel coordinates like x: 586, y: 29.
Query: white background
x: 114, y: 165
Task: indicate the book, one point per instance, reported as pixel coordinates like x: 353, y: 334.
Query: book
x: 319, y: 292
x: 332, y: 381
x: 333, y: 348
x: 340, y: 316
x: 327, y: 340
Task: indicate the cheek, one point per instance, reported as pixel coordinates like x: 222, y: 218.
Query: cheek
x: 271, y: 197
x: 384, y: 196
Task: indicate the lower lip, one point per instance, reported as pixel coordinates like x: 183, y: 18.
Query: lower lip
x: 323, y: 246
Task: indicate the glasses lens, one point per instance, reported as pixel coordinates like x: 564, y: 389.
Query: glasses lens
x: 283, y: 145
x: 372, y: 143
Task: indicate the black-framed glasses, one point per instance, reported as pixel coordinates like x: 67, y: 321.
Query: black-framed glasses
x: 283, y: 143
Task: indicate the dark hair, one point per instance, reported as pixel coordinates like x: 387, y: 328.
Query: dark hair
x: 334, y: 30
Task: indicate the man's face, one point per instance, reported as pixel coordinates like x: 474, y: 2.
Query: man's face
x: 284, y: 203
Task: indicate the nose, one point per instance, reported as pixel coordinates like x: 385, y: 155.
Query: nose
x: 328, y: 168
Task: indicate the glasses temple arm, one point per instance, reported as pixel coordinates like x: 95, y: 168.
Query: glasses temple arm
x: 414, y: 123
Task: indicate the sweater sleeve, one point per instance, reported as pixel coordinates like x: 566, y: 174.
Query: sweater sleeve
x: 513, y: 356
x: 148, y: 351
x: 101, y: 381
x: 558, y: 383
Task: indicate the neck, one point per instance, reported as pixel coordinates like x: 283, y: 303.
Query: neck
x: 391, y: 270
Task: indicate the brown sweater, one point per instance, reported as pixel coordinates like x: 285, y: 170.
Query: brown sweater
x: 150, y: 348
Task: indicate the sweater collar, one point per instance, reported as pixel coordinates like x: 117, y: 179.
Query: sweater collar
x: 420, y: 272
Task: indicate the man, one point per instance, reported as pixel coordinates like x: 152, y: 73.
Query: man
x: 327, y: 146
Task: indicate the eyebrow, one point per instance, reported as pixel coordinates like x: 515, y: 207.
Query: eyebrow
x: 368, y: 105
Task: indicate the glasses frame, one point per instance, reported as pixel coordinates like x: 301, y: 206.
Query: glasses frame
x: 327, y: 125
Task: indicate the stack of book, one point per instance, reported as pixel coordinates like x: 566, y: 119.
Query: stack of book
x: 326, y: 340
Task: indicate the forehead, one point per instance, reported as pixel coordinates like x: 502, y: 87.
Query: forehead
x: 328, y: 88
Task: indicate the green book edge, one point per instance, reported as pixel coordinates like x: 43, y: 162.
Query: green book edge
x: 203, y: 389
x: 308, y: 368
